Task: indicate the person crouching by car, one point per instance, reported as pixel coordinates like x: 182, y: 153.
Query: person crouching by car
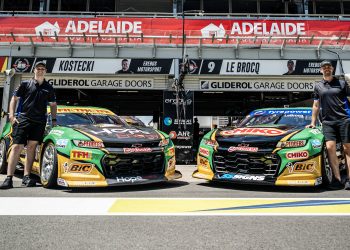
x: 29, y: 127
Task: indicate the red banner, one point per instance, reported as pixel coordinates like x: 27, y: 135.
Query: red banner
x: 169, y: 31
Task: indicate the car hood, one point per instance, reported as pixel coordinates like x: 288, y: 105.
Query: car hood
x: 255, y: 133
x: 118, y: 133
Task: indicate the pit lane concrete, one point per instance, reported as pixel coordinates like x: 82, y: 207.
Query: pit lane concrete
x: 174, y: 232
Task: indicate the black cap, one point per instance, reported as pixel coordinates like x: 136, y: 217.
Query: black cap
x: 290, y: 61
x: 325, y: 62
x: 40, y: 63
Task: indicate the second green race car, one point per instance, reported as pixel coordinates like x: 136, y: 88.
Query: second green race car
x: 271, y: 147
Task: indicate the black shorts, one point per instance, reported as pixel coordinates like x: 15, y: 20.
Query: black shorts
x: 339, y: 131
x: 27, y: 131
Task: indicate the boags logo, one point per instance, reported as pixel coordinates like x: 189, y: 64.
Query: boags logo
x: 168, y: 121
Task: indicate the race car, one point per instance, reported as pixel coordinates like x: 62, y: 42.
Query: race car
x: 271, y: 147
x: 93, y: 147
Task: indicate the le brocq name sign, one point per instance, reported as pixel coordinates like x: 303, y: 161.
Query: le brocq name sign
x: 256, y: 85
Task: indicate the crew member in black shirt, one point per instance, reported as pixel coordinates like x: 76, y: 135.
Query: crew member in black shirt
x: 331, y: 99
x: 28, y: 127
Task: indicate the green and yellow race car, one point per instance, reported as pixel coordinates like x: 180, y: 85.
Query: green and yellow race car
x: 93, y: 147
x: 269, y: 147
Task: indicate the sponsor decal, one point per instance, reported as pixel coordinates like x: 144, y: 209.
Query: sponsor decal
x: 89, y: 144
x: 170, y: 152
x: 292, y: 144
x: 299, y: 182
x: 80, y: 155
x: 171, y: 163
x: 210, y: 143
x: 173, y: 135
x: 129, y: 179
x: 61, y: 143
x: 203, y: 161
x: 183, y: 135
x: 316, y: 143
x: 47, y: 29
x: 80, y: 168
x: 21, y: 65
x: 249, y: 177
x: 168, y: 121
x: 243, y: 147
x: 318, y: 181
x: 137, y: 150
x: 226, y: 176
x: 164, y: 142
x: 315, y: 131
x: 204, y: 151
x: 62, y: 182
x: 308, y: 166
x: 183, y: 146
x: 253, y: 131
x: 84, y: 110
x: 297, y: 155
x: 56, y: 132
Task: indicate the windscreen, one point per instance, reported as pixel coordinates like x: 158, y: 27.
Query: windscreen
x: 290, y: 117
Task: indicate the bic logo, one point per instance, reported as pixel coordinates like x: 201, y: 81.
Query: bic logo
x: 80, y: 155
x: 80, y: 168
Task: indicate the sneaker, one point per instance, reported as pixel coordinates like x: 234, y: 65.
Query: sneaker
x: 347, y: 185
x: 336, y: 185
x: 27, y: 182
x: 7, y: 184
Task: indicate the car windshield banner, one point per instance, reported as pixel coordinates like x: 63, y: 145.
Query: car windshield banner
x: 178, y: 123
x: 131, y: 30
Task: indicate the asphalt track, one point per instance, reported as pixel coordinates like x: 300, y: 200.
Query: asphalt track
x: 187, y: 214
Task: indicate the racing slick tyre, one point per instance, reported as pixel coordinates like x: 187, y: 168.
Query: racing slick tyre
x: 326, y: 169
x: 48, y: 166
x: 3, y: 156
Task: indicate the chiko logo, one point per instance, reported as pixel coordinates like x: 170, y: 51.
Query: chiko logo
x: 297, y: 155
x: 308, y: 166
x: 168, y: 121
x: 253, y: 131
x: 21, y: 65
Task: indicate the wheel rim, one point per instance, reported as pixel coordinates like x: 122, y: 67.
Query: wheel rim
x: 2, y: 152
x: 327, y: 166
x: 47, y: 165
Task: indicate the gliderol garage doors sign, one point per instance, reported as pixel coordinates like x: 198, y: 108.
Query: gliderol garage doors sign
x: 257, y: 85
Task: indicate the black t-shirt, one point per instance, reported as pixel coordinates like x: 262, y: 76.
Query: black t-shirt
x: 34, y: 99
x: 334, y: 104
